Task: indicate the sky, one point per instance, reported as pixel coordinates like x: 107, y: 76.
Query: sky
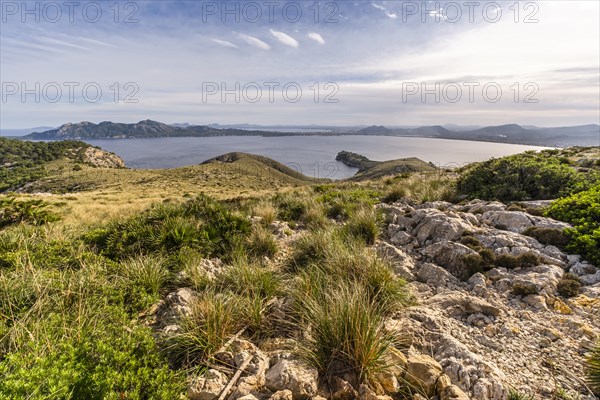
x: 394, y: 63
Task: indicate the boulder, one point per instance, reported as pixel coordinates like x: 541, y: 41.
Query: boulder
x: 176, y: 305
x: 434, y: 275
x: 293, y: 375
x: 450, y: 256
x: 514, y: 221
x: 453, y: 392
x: 208, y: 386
x: 342, y: 390
x: 282, y: 395
x: 436, y: 226
x: 456, y: 303
x: 423, y: 371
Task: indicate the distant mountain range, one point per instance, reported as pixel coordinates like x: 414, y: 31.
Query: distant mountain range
x: 583, y: 135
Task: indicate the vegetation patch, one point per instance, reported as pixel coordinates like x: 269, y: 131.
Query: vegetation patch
x: 548, y: 236
x: 202, y: 224
x: 530, y: 175
x: 35, y: 212
x: 568, y: 286
x: 582, y: 210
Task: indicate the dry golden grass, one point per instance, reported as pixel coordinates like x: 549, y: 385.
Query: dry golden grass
x: 94, y: 195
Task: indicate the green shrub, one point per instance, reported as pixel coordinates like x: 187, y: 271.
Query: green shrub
x: 548, y: 236
x: 592, y: 369
x: 348, y: 334
x: 266, y: 211
x: 291, y: 207
x: 395, y: 194
x: 243, y: 278
x: 145, y: 277
x: 342, y: 201
x: 524, y: 289
x: 35, y: 212
x: 364, y: 224
x: 568, y: 287
x: 582, y: 210
x: 202, y: 224
x: 361, y: 267
x: 261, y: 243
x: 314, y: 217
x: 470, y: 242
x: 470, y: 264
x: 314, y: 247
x: 329, y: 257
x: 109, y: 362
x: 212, y: 319
x: 529, y: 175
x: 523, y: 260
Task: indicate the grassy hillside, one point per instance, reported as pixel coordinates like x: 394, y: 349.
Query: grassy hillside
x: 251, y: 162
x: 22, y: 162
x: 83, y: 265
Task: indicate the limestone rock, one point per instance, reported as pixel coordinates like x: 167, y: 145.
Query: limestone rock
x: 282, y: 395
x: 453, y: 393
x: 293, y: 375
x: 422, y: 372
x: 207, y: 387
x: 450, y: 256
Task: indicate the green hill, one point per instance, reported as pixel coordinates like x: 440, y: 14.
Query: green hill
x: 369, y: 169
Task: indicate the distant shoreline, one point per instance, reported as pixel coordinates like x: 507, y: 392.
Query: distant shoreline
x: 285, y: 134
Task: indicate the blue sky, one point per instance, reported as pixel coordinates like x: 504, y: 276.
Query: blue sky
x: 374, y: 59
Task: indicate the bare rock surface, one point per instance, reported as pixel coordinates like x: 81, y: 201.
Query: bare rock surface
x: 484, y: 334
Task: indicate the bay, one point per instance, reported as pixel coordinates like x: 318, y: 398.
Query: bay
x: 311, y: 155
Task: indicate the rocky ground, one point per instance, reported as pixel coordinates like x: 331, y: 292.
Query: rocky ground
x: 468, y: 336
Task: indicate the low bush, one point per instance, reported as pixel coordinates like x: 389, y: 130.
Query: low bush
x: 524, y: 289
x: 364, y: 224
x: 548, y: 236
x: 421, y: 188
x: 315, y: 217
x: 329, y: 256
x: 568, y: 287
x: 530, y: 175
x: 261, y: 243
x: 35, y: 212
x: 395, y: 194
x: 202, y: 224
x: 290, y: 206
x: 523, y: 260
x: 145, y: 277
x: 348, y: 337
x: 266, y: 211
x: 212, y: 319
x: 582, y: 210
x: 514, y: 394
x: 314, y: 247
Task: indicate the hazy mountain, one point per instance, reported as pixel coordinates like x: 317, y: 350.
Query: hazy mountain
x: 583, y: 135
x: 23, y: 132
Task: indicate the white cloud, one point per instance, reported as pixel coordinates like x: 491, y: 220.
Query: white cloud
x: 391, y: 14
x: 224, y: 43
x: 61, y: 43
x: 285, y: 38
x: 377, y: 6
x: 252, y: 41
x: 316, y: 37
x: 94, y: 41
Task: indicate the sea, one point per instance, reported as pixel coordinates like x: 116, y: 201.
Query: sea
x: 310, y: 155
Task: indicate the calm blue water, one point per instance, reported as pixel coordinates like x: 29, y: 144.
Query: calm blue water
x: 310, y: 155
